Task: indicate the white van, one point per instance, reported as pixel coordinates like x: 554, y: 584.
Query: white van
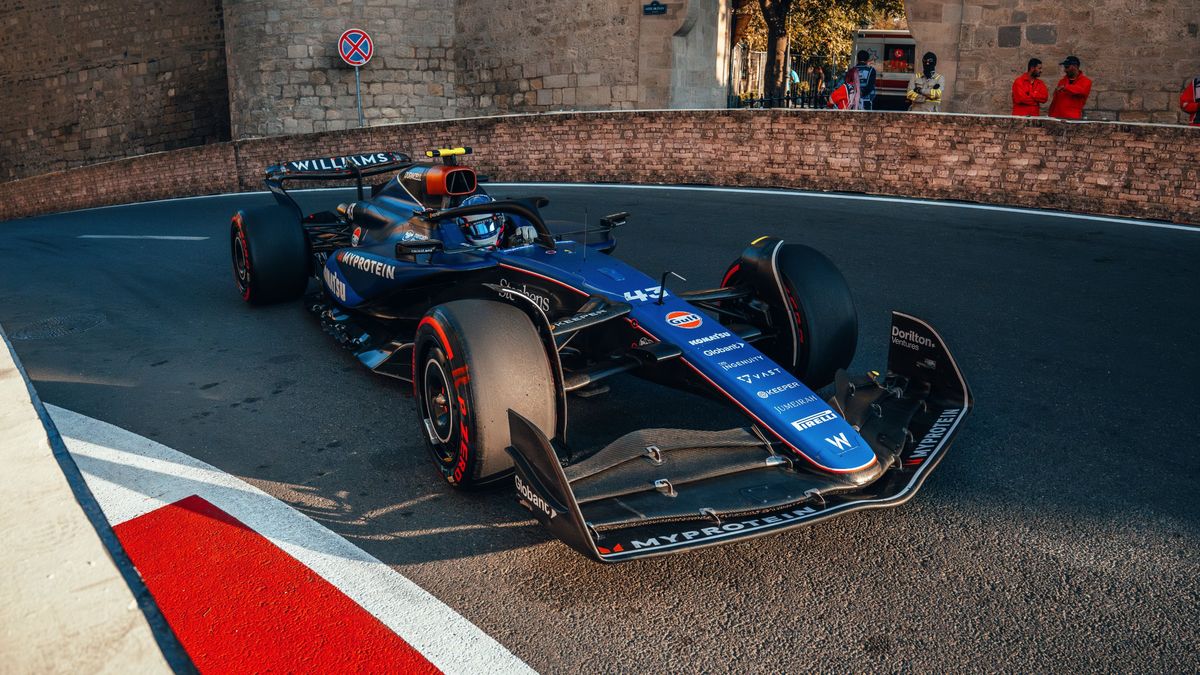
x: 894, y: 55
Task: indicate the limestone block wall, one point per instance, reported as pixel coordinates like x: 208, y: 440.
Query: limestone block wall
x: 86, y: 82
x: 521, y: 56
x: 285, y: 74
x: 1108, y: 168
x: 1137, y: 53
x: 544, y: 55
x: 700, y: 56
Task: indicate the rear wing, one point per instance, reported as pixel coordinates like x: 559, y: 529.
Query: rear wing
x: 345, y: 167
x: 338, y: 168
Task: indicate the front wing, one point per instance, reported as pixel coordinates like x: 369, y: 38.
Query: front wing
x: 909, y: 417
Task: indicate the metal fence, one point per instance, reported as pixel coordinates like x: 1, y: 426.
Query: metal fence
x: 815, y: 77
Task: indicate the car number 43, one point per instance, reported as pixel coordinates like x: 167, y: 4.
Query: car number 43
x: 645, y: 294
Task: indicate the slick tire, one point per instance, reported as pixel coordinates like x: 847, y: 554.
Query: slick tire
x: 473, y: 360
x: 808, y: 295
x: 270, y: 255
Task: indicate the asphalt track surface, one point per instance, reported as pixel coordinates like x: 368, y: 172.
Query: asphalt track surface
x: 1061, y: 532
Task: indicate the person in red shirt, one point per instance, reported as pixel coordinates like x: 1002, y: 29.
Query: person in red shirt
x: 1189, y: 100
x: 1072, y: 91
x: 844, y: 96
x: 1029, y: 92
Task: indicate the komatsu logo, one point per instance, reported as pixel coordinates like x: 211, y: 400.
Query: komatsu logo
x: 534, y: 500
x: 369, y: 265
x: 710, y: 338
x: 813, y: 420
x: 335, y: 285
x: 933, y: 438
x: 725, y: 529
x: 911, y: 339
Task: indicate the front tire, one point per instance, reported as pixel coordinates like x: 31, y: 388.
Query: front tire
x: 473, y: 361
x: 811, y: 307
x: 269, y: 252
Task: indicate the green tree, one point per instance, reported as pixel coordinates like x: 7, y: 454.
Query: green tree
x: 811, y: 28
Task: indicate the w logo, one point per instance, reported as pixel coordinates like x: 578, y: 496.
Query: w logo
x: 840, y: 442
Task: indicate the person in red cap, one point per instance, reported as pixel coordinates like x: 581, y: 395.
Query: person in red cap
x: 1189, y: 100
x: 1029, y: 93
x: 1072, y: 91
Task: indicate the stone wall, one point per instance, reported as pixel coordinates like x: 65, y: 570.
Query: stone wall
x: 285, y: 74
x: 1138, y: 54
x: 549, y: 55
x: 700, y: 56
x: 1107, y: 168
x: 202, y: 170
x: 86, y: 82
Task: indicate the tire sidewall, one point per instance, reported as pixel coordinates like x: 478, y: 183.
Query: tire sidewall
x: 453, y: 456
x: 488, y: 349
x: 811, y: 303
x: 240, y: 250
x: 274, y: 252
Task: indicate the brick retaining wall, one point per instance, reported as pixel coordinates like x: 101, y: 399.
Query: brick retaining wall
x: 1106, y: 168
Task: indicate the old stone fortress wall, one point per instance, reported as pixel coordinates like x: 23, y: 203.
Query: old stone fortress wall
x: 92, y: 82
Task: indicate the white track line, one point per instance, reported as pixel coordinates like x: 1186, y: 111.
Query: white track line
x: 141, y: 236
x: 782, y: 192
x: 864, y: 198
x: 131, y: 475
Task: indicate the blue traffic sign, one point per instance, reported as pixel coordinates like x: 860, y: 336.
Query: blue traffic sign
x: 356, y: 47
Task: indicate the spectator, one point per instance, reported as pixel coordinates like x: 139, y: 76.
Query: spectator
x: 925, y: 90
x: 1072, y: 91
x: 1189, y: 100
x: 844, y: 95
x: 863, y: 75
x: 1029, y: 92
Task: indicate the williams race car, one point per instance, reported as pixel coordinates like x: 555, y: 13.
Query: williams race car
x: 495, y: 320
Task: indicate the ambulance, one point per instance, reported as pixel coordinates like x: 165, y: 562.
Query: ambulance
x: 894, y: 55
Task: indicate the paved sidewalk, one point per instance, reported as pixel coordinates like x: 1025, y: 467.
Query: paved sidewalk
x: 64, y: 605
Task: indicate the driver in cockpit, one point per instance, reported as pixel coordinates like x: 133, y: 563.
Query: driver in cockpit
x: 493, y: 229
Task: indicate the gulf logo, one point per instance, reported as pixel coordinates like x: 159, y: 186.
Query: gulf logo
x: 687, y: 320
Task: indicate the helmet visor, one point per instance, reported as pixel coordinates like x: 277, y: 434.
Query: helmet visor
x: 482, y: 227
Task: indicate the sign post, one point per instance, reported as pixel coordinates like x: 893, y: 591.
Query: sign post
x: 356, y: 48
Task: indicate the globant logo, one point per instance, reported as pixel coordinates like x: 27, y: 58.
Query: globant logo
x: 726, y: 348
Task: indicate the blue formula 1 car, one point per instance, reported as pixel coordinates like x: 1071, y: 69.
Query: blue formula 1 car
x: 495, y: 320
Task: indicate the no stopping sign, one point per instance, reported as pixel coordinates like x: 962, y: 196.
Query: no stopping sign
x: 356, y: 47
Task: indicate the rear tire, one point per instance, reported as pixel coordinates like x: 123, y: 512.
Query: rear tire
x: 269, y: 251
x: 816, y: 301
x: 473, y: 360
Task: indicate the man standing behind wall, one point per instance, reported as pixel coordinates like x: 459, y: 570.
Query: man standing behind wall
x: 925, y: 90
x: 1072, y: 91
x: 1029, y: 93
x: 1189, y: 100
x: 864, y: 75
